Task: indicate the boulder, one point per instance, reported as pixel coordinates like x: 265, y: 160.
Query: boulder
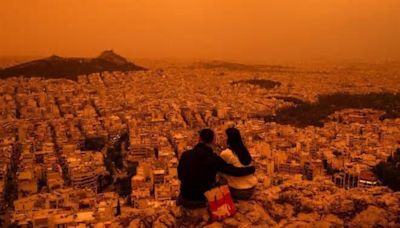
x: 231, y: 222
x: 177, y: 212
x: 165, y: 221
x: 371, y: 217
x: 244, y: 206
x: 253, y: 216
x: 135, y: 224
x: 241, y: 218
x: 298, y: 224
x: 214, y: 225
x: 322, y: 224
x: 309, y: 217
x: 343, y: 208
x: 332, y: 219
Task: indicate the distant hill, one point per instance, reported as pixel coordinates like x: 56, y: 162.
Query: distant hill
x: 257, y: 68
x: 59, y: 67
x: 304, y: 114
x: 216, y: 64
x: 262, y: 83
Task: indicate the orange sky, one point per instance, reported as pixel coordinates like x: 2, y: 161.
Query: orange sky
x: 240, y: 30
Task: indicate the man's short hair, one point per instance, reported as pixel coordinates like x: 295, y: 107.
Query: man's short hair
x: 207, y: 135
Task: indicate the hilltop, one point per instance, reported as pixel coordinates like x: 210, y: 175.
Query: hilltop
x: 60, y: 67
x: 294, y: 203
x: 303, y: 114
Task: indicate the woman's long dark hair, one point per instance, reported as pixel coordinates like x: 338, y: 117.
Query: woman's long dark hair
x: 235, y: 143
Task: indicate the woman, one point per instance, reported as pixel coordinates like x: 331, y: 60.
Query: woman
x: 237, y: 155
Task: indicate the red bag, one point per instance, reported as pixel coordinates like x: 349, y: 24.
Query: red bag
x: 220, y: 203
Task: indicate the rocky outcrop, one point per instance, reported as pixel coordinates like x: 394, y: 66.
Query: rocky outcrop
x: 295, y: 203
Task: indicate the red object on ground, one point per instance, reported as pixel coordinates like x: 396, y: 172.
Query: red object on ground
x: 220, y: 203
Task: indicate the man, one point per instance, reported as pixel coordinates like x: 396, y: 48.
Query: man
x: 197, y: 170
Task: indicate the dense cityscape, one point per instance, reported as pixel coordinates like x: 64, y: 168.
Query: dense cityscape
x: 103, y: 150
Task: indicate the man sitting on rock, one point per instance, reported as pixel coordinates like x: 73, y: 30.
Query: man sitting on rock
x: 198, y: 168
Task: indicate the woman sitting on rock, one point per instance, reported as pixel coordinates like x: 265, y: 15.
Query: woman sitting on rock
x: 237, y: 155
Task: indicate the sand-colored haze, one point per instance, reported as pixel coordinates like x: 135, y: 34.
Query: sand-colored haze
x: 240, y: 30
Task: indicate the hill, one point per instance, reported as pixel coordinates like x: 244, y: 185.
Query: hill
x: 216, y: 64
x: 59, y: 67
x: 304, y: 114
x: 262, y: 83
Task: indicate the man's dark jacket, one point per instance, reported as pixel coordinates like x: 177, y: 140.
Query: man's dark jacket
x: 197, y: 170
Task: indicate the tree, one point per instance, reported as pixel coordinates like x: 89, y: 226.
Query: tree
x: 388, y: 174
x: 118, y: 212
x: 96, y: 143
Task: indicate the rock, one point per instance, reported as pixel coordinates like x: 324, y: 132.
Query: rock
x: 157, y: 224
x: 298, y: 224
x: 306, y: 205
x: 165, y: 221
x: 262, y: 226
x: 245, y: 225
x: 322, y: 224
x: 343, y: 208
x: 291, y: 204
x: 147, y: 221
x: 308, y: 193
x: 264, y: 217
x: 244, y: 207
x: 330, y: 218
x: 279, y: 211
x: 177, y: 212
x: 371, y: 217
x: 231, y: 222
x: 311, y: 217
x: 241, y: 218
x: 195, y: 215
x: 253, y: 216
x: 288, y: 210
x: 266, y: 182
x: 389, y: 200
x: 206, y: 217
x: 99, y: 225
x: 214, y: 225
x: 282, y: 223
x: 115, y: 225
x: 135, y: 223
x: 149, y: 212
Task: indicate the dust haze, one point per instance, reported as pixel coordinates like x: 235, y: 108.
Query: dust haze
x: 236, y: 30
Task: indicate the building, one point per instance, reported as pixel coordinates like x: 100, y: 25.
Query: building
x: 158, y: 176
x: 290, y: 168
x: 162, y: 192
x: 313, y: 169
x: 367, y: 179
x: 67, y: 207
x: 345, y: 180
x: 84, y: 178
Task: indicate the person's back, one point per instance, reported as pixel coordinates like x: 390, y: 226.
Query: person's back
x: 197, y: 171
x: 237, y: 155
x: 244, y: 182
